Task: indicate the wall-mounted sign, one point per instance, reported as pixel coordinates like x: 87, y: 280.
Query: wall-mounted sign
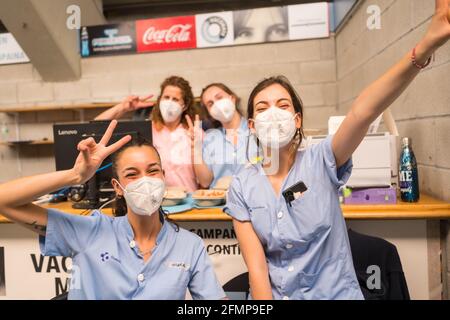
x: 303, y: 21
x: 166, y: 34
x: 215, y: 29
x: 10, y: 51
x: 261, y: 25
x: 309, y: 21
x: 108, y: 39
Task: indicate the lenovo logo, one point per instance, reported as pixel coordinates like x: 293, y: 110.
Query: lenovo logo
x: 67, y: 132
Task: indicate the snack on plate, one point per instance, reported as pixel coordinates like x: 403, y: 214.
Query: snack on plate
x: 209, y: 198
x: 208, y: 194
x: 223, y: 183
x: 174, y: 193
x: 173, y: 196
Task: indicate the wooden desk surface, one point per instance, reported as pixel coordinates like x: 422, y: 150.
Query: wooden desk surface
x: 427, y: 208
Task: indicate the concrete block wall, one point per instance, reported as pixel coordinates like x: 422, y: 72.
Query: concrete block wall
x: 423, y: 111
x: 310, y: 65
x: 328, y: 73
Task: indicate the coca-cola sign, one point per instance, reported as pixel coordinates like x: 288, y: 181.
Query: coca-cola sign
x: 166, y: 34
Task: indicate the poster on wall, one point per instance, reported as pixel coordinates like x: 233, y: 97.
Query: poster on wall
x: 166, y: 34
x: 260, y: 25
x: 308, y: 21
x: 218, y: 29
x: 214, y: 29
x: 107, y: 39
x: 10, y: 50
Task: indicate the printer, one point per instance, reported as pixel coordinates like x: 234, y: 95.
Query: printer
x: 375, y: 161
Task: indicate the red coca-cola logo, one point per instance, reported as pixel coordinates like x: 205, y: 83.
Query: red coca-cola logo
x: 176, y: 33
x: 166, y: 34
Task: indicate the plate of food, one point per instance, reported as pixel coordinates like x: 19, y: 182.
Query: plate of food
x: 209, y: 198
x: 174, y: 196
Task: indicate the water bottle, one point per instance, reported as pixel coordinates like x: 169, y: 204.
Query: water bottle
x: 84, y: 42
x: 408, y: 174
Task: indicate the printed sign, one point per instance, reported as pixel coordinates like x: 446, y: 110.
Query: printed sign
x: 223, y: 249
x: 308, y: 21
x: 24, y: 272
x: 10, y: 51
x: 166, y: 34
x: 214, y: 29
x: 261, y: 25
x: 108, y: 39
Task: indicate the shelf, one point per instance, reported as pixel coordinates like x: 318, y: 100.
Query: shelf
x: 71, y: 107
x: 74, y: 107
x: 27, y: 143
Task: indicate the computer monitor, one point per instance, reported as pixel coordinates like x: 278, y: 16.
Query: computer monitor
x: 68, y: 135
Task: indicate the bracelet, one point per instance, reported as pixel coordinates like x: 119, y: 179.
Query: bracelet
x: 418, y: 65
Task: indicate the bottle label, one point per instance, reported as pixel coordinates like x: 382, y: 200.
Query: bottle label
x: 406, y: 181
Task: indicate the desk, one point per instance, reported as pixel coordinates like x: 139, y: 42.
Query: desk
x: 427, y: 208
x: 414, y: 228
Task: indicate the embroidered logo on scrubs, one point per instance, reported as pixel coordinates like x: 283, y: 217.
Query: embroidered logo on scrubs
x: 179, y: 265
x: 104, y: 256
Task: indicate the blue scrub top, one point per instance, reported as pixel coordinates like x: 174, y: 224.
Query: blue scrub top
x: 224, y: 158
x: 306, y: 245
x: 108, y: 265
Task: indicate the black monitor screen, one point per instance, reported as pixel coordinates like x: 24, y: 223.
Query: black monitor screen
x: 67, y: 136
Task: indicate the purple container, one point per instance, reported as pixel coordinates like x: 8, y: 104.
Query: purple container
x: 372, y: 196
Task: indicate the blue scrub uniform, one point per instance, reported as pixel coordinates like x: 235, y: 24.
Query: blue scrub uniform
x: 224, y: 158
x: 108, y: 265
x: 306, y: 245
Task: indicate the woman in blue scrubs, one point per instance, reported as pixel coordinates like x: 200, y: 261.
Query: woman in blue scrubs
x: 298, y: 248
x: 223, y: 150
x: 135, y: 255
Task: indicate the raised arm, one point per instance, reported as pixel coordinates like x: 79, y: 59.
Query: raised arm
x: 384, y: 91
x: 16, y: 196
x: 130, y: 103
x: 255, y: 259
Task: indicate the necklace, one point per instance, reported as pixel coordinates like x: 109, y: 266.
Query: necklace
x: 144, y: 253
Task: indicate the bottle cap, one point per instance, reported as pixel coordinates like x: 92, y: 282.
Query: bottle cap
x: 406, y: 142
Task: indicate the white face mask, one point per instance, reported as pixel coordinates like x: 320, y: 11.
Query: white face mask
x: 145, y: 195
x: 275, y: 127
x: 223, y: 110
x: 170, y: 110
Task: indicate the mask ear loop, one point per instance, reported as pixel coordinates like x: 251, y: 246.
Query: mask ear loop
x: 106, y: 203
x: 257, y: 159
x: 297, y: 138
x: 113, y: 199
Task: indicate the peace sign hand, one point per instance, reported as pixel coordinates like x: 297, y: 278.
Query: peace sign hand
x: 195, y: 133
x: 92, y: 154
x: 132, y: 103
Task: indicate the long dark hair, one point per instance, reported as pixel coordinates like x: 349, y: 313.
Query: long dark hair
x: 215, y: 123
x: 120, y: 205
x: 188, y: 99
x: 296, y: 101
